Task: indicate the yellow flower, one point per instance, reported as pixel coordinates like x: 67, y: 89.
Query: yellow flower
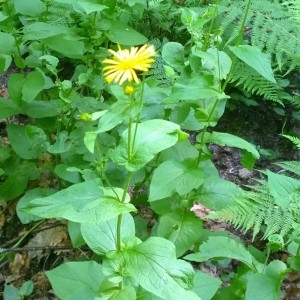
x: 86, y: 117
x: 128, y: 90
x: 125, y: 63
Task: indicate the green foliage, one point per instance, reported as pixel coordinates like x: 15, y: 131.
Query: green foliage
x: 295, y: 140
x: 12, y: 293
x: 272, y: 205
x: 109, y: 147
x: 260, y: 281
x: 250, y: 81
x: 263, y: 20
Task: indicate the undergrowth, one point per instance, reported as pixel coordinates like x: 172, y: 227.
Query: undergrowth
x: 108, y: 91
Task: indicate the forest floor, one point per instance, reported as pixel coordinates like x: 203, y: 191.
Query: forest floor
x: 27, y: 252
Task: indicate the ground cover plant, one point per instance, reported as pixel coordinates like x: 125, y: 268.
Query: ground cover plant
x: 104, y: 104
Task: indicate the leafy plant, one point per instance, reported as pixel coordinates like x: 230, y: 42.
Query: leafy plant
x: 270, y: 206
x: 12, y: 293
x: 111, y: 134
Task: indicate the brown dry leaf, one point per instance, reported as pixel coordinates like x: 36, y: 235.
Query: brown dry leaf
x: 4, y: 93
x: 200, y: 210
x: 41, y: 283
x: 56, y: 236
x: 12, y: 278
x: 20, y: 264
x: 293, y: 293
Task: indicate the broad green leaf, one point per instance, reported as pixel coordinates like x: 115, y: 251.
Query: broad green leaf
x: 41, y: 109
x: 230, y: 140
x: 26, y: 289
x: 142, y: 294
x: 173, y: 54
x: 87, y: 6
x: 117, y: 113
x: 40, y: 30
x: 5, y: 153
x: 217, y: 193
x: 154, y: 266
x: 141, y: 227
x: 5, y: 61
x: 220, y: 247
x: 10, y: 292
x: 89, y: 140
x: 216, y: 60
x: 101, y: 237
x: 24, y: 217
x: 69, y: 46
x: 123, y: 34
x: 61, y: 170
x: 84, y: 202
x: 50, y: 62
x: 182, y: 229
x: 75, y: 234
x: 33, y: 85
x: 62, y: 143
x: 205, y: 285
x: 266, y: 286
x: 192, y: 90
x: 173, y: 177
x: 3, y: 16
x: 180, y: 151
x: 126, y: 293
x: 13, y: 186
x: 284, y: 189
x: 253, y: 57
x: 7, y: 45
x: 29, y: 142
x: 15, y: 84
x: 206, y: 114
x: 77, y: 280
x: 151, y: 137
x: 8, y: 108
x: 152, y: 98
x: 31, y: 8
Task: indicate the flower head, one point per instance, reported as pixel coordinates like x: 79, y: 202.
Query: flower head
x: 125, y: 63
x: 129, y: 89
x: 86, y: 117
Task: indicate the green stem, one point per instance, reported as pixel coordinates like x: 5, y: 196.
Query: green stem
x: 266, y: 260
x: 131, y: 142
x: 119, y: 224
x: 120, y: 216
x: 139, y: 113
x: 222, y: 89
x: 204, y: 48
x: 237, y: 43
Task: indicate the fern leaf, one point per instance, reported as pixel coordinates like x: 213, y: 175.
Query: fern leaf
x: 268, y: 24
x: 258, y: 207
x: 292, y: 166
x: 293, y: 139
x: 250, y: 81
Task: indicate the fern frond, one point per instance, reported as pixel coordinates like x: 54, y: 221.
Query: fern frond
x: 157, y: 71
x: 257, y: 208
x: 295, y: 140
x: 293, y: 6
x: 58, y: 13
x: 250, y: 81
x: 295, y: 101
x: 268, y: 26
x: 292, y: 166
